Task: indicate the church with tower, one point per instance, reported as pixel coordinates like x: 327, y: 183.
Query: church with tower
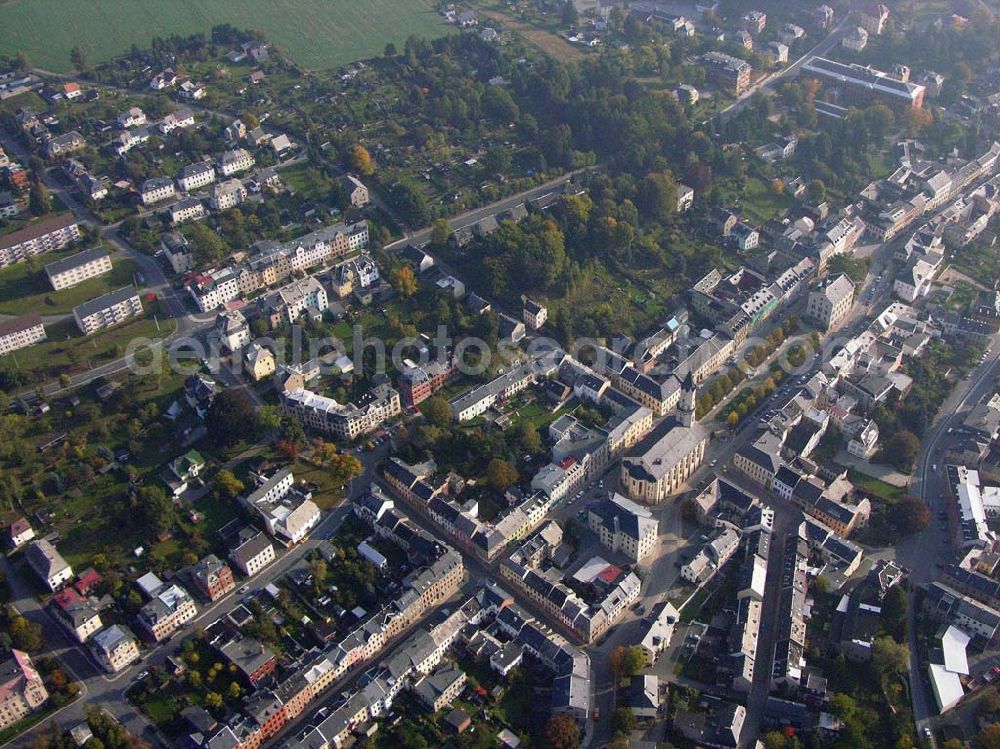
x: 658, y: 465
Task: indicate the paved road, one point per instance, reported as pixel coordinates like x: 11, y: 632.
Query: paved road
x: 923, y: 552
x: 109, y: 691
x: 469, y: 218
x: 832, y: 39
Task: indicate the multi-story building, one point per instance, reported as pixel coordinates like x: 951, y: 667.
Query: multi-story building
x: 830, y: 303
x: 233, y: 331
x: 177, y: 251
x: 760, y: 460
x: 873, y: 18
x: 347, y: 421
x: 855, y: 40
x: 215, y: 289
x: 755, y: 21
x: 170, y: 607
x: 357, y: 193
x: 52, y: 233
x: 132, y: 117
x: 251, y: 658
x: 186, y: 209
x: 107, y: 310
x: 48, y: 564
x: 115, y: 648
x: 864, y: 85
x: 228, y: 194
x: 658, y: 397
x: 288, y: 514
x: 685, y: 194
x: 212, y: 578
x: 418, y: 383
x: 21, y: 332
x: 945, y: 604
x: 126, y: 140
x: 663, y: 460
x: 477, y: 401
x: 196, y: 175
x: 730, y: 72
x: 440, y: 688
x: 252, y: 553
x: 156, y: 189
x: 235, y: 161
x: 19, y: 533
x: 21, y: 688
x: 534, y: 314
x: 76, y: 614
x: 77, y: 268
x: 623, y: 526
x: 298, y: 298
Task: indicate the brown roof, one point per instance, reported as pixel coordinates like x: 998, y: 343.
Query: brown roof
x: 25, y: 322
x: 38, y: 229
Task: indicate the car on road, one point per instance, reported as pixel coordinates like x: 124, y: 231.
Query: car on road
x: 243, y: 590
x: 927, y: 732
x: 141, y: 675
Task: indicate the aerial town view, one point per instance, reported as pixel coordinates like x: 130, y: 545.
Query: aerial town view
x: 413, y: 374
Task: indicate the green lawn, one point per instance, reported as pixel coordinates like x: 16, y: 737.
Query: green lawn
x: 68, y: 351
x: 24, y: 290
x: 316, y: 33
x: 760, y: 204
x: 881, y: 489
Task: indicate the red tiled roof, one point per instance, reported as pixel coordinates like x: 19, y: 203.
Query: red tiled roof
x: 610, y: 574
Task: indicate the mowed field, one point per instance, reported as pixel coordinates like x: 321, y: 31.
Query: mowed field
x: 315, y: 33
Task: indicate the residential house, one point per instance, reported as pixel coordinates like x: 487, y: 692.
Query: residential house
x: 252, y: 553
x: 356, y: 191
x: 170, y: 607
x: 20, y: 532
x: 22, y: 691
x: 46, y: 562
x: 212, y: 578
x: 76, y: 614
x: 195, y: 176
x: 623, y: 526
x: 115, y: 648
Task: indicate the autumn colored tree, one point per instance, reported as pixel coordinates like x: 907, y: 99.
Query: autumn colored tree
x: 361, y: 161
x: 404, y: 281
x: 561, y: 732
x: 344, y: 467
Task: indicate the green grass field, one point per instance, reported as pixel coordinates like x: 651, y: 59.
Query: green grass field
x: 315, y: 33
x: 22, y: 289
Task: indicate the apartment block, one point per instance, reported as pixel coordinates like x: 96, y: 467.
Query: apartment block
x: 21, y: 332
x: 107, y: 310
x: 49, y: 234
x: 76, y: 269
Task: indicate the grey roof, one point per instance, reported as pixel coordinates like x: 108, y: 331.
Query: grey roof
x: 103, y: 302
x: 75, y: 261
x: 250, y: 548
